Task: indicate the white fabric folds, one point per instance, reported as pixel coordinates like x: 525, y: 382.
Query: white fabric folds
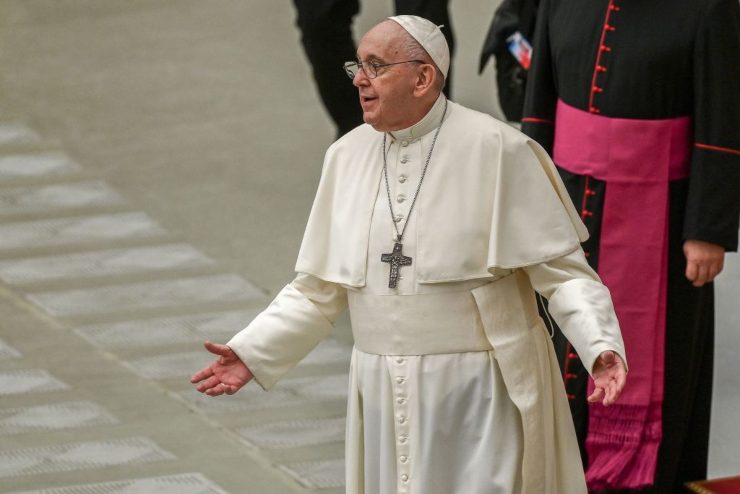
x: 530, y: 371
x: 496, y: 206
x: 582, y: 303
x: 296, y: 327
x: 417, y: 324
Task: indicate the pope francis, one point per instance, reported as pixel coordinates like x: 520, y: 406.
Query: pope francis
x: 435, y: 225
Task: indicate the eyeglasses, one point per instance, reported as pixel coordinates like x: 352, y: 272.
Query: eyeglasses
x: 352, y: 68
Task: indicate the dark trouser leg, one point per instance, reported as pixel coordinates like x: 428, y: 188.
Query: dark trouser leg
x: 437, y: 12
x: 326, y: 35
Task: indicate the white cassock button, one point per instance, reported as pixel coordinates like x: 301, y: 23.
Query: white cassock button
x: 404, y: 459
x: 400, y: 360
x: 400, y: 198
x: 402, y: 178
x: 404, y: 143
x: 403, y: 439
x: 401, y: 401
x: 402, y: 419
x: 400, y: 380
x: 398, y: 218
x: 404, y: 477
x: 405, y: 160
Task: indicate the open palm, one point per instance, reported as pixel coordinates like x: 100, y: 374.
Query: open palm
x: 227, y: 374
x: 610, y: 376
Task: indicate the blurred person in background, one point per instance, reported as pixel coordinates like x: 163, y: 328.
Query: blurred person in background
x: 326, y: 36
x: 509, y: 43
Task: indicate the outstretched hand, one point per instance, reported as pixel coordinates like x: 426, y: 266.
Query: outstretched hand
x: 226, y: 375
x: 610, y: 375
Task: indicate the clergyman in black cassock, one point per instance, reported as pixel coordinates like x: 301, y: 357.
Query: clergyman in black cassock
x: 638, y: 103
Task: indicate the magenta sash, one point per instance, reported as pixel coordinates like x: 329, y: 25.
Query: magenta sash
x: 636, y: 159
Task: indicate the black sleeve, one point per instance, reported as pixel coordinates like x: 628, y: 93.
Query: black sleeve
x: 713, y: 203
x: 505, y: 23
x: 538, y: 119
x: 509, y: 17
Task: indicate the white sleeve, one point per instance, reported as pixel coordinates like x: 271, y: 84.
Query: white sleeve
x: 299, y: 317
x: 580, y: 304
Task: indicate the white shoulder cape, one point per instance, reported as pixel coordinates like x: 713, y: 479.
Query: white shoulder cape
x: 491, y: 201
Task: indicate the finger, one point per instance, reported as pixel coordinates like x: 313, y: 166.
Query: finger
x: 712, y: 272
x: 610, y: 394
x: 608, y: 357
x: 715, y: 269
x: 621, y: 379
x: 221, y: 389
x: 215, y: 391
x: 605, y: 401
x: 596, y: 395
x: 204, y: 373
x: 617, y: 385
x: 701, y: 275
x: 218, y: 349
x: 691, y: 270
x: 211, y: 382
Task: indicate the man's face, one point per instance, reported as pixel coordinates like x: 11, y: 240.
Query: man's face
x: 388, y: 100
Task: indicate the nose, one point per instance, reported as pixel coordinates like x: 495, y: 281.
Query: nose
x: 360, y: 78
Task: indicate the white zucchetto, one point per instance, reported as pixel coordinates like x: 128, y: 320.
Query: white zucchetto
x: 429, y: 36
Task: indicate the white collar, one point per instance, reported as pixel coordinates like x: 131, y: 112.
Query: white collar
x: 428, y: 123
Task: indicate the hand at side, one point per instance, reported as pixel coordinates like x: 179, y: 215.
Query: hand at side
x: 704, y: 261
x: 610, y: 375
x: 227, y: 374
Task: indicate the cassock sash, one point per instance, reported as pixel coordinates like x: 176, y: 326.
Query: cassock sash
x: 636, y: 159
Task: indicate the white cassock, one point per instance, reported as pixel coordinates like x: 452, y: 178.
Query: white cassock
x: 454, y: 386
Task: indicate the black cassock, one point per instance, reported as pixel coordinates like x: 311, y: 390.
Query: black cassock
x: 652, y: 60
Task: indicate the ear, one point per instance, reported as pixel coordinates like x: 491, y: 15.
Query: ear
x: 425, y: 79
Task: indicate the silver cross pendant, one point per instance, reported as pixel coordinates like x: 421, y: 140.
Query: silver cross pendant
x: 396, y: 259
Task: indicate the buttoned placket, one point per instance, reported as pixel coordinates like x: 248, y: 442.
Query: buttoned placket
x: 403, y: 178
x: 399, y: 374
x: 598, y: 80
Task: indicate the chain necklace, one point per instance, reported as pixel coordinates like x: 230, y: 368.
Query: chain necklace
x: 396, y: 259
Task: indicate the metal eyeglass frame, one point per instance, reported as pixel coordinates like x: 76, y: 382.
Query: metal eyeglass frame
x: 351, y: 66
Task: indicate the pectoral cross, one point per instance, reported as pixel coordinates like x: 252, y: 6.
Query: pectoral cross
x: 396, y: 259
